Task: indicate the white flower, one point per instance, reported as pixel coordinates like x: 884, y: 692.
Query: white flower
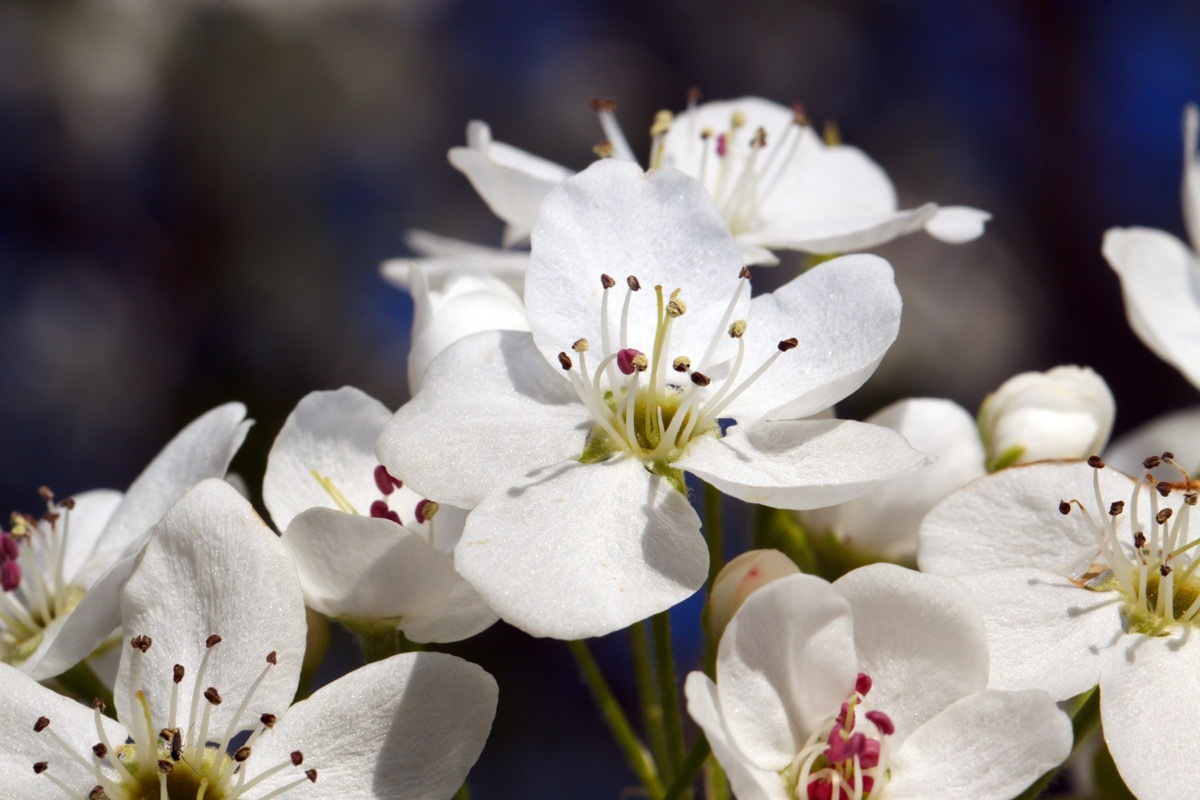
x: 777, y: 185
x: 1106, y: 594
x: 367, y: 548
x: 872, y: 688
x: 574, y: 471
x: 64, y: 568
x: 1066, y: 412
x: 740, y: 578
x: 885, y: 520
x: 1159, y: 273
x: 215, y: 618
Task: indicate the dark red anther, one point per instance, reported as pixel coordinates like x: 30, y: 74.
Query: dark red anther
x: 869, y: 757
x: 384, y: 480
x: 883, y: 722
x: 380, y: 510
x: 10, y: 575
x: 625, y: 360
x: 863, y: 684
x: 840, y: 749
x: 722, y: 145
x: 1064, y: 507
x: 9, y: 551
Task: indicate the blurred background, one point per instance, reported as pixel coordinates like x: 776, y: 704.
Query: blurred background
x: 195, y: 198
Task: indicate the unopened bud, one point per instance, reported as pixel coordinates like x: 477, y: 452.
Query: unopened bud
x: 738, y: 579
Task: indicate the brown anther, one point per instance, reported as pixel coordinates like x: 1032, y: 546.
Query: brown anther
x: 693, y: 95
x: 744, y: 273
x: 1151, y: 462
x: 607, y: 281
x: 1095, y: 462
x: 98, y: 703
x: 700, y: 379
x: 41, y: 724
x: 580, y: 346
x: 798, y: 115
x: 564, y: 361
x: 51, y: 517
x: 165, y: 734
x: 45, y: 493
x: 676, y: 308
x: 141, y: 643
x: 1139, y: 540
x: 760, y: 138
x: 212, y: 641
x: 604, y: 150
x: 311, y: 774
x: 737, y: 328
x: 40, y: 766
x: 1164, y: 570
x: 1190, y: 498
x: 268, y: 720
x: 1116, y: 508
x: 603, y: 104
x: 788, y: 344
x: 97, y: 793
x: 68, y: 504
x: 212, y: 695
x: 272, y: 658
x: 1163, y: 488
x: 706, y: 133
x: 242, y: 754
x: 177, y: 673
x: 176, y: 745
x: 681, y: 364
x: 100, y: 750
x: 297, y: 758
x: 1168, y: 456
x: 633, y: 283
x: 1064, y: 507
x: 1162, y: 516
x: 165, y: 766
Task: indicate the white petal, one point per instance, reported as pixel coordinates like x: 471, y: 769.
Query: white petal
x: 580, y: 550
x: 842, y: 235
x: 1177, y: 432
x: 459, y: 615
x: 845, y: 314
x: 988, y: 746
x: 405, y: 728
x: 785, y: 665
x: 1043, y: 631
x: 201, y: 450
x: 441, y: 258
x: 511, y: 181
x: 614, y: 219
x: 1191, y: 173
x: 886, y: 520
x: 1159, y: 278
x: 1149, y: 703
x: 356, y: 566
x: 332, y: 434
x: 87, y: 521
x: 957, y: 224
x: 921, y: 639
x: 1011, y: 519
x: 212, y: 567
x: 490, y: 410
x: 800, y: 464
x: 22, y: 701
x: 748, y: 782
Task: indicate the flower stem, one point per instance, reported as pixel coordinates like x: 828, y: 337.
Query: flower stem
x: 647, y: 689
x: 713, y: 532
x: 635, y: 752
x: 82, y: 683
x: 691, y: 768
x: 668, y: 691
x: 716, y: 787
x: 378, y: 641
x: 1085, y: 719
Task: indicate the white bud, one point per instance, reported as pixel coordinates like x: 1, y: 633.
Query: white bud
x: 741, y: 577
x: 1066, y: 412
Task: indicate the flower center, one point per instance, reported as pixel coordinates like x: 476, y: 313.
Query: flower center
x: 1154, y: 570
x: 35, y: 589
x: 163, y: 762
x: 845, y: 759
x: 653, y: 405
x: 423, y: 511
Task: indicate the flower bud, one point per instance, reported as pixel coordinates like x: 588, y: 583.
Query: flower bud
x: 1066, y: 412
x: 738, y: 579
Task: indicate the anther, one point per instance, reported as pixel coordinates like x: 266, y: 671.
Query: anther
x: 1139, y: 540
x: 100, y: 750
x: 68, y: 504
x: 1116, y: 508
x: 45, y: 493
x: 662, y: 123
x: 681, y: 364
x: 1064, y: 507
x: 1168, y: 455
x: 760, y: 138
x: 1149, y: 463
x: 603, y: 104
x: 1190, y: 498
x: 212, y: 641
x: 1163, y: 488
x: 41, y: 724
x: 426, y: 510
x: 607, y: 281
x: 788, y: 344
x: 604, y: 150
x: 242, y: 754
x: 700, y: 379
x: 297, y: 758
x: 272, y: 658
x: 798, y: 115
x: 165, y: 766
x: 883, y: 722
x: 176, y: 745
x: 863, y: 684
x: 580, y: 346
x: 1095, y: 462
x: 40, y: 766
x: 212, y: 695
x: 564, y: 361
x: 379, y: 510
x: 311, y: 774
x: 267, y: 720
x: 1162, y: 516
x: 141, y: 643
x: 177, y: 673
x: 1164, y: 570
x: 385, y: 482
x: 97, y: 793
x: 633, y: 283
x: 744, y: 273
x: 640, y: 362
x: 625, y: 360
x: 737, y: 328
x: 676, y: 308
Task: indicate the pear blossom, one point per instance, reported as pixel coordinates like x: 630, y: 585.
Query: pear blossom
x: 1159, y: 272
x: 870, y: 688
x: 1086, y: 577
x: 740, y: 578
x: 1065, y: 412
x: 218, y: 633
x: 62, y: 569
x: 572, y: 459
x: 367, y: 549
x: 885, y: 521
x: 777, y: 184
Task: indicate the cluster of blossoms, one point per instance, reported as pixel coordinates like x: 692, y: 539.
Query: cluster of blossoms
x: 571, y: 399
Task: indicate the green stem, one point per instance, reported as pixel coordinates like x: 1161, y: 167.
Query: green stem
x: 1085, y: 719
x: 691, y: 768
x: 635, y: 752
x: 647, y: 689
x: 377, y: 641
x: 713, y: 532
x: 715, y: 785
x: 463, y: 793
x: 668, y: 692
x: 82, y: 683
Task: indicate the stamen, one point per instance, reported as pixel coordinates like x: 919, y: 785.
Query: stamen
x: 605, y: 108
x: 338, y: 498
